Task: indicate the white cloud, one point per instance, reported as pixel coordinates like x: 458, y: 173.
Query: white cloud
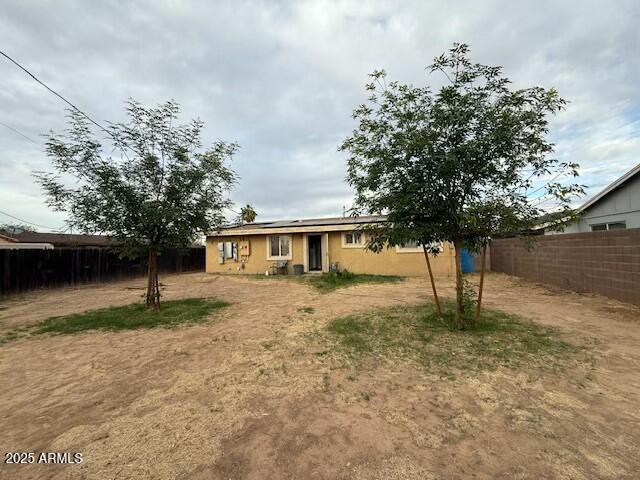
x: 282, y: 78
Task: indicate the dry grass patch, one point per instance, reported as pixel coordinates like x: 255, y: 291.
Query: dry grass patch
x: 418, y: 334
x: 129, y: 317
x: 327, y: 282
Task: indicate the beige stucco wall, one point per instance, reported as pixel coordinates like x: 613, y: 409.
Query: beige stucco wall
x: 257, y: 261
x: 357, y: 260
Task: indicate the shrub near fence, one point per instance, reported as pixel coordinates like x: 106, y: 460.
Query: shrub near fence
x: 607, y: 262
x: 22, y: 270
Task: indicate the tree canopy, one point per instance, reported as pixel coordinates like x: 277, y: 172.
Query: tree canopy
x: 151, y: 185
x: 247, y: 214
x: 15, y: 228
x: 461, y: 164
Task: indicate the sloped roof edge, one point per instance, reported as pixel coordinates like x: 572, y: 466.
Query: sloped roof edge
x: 611, y: 187
x: 8, y: 238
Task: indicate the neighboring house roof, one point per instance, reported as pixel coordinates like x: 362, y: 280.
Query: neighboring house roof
x: 551, y: 219
x: 301, y: 226
x: 8, y: 238
x: 64, y: 239
x: 614, y: 185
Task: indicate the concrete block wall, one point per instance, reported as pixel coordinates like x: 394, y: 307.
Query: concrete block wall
x: 606, y: 262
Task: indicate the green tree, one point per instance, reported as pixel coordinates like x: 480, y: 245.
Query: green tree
x: 15, y: 228
x: 461, y: 165
x: 160, y: 192
x: 247, y: 214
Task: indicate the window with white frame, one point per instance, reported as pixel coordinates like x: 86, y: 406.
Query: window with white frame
x: 352, y: 240
x: 598, y: 227
x: 279, y: 247
x: 415, y: 247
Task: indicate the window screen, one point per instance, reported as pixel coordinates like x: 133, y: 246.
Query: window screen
x: 275, y: 245
x: 411, y: 244
x: 599, y: 227
x: 284, y: 246
x: 228, y: 250
x: 353, y: 238
x: 279, y: 245
x: 617, y: 226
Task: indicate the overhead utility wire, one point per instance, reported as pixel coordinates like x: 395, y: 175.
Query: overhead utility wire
x: 54, y: 92
x: 65, y: 101
x: 30, y: 223
x: 104, y: 129
x: 19, y: 132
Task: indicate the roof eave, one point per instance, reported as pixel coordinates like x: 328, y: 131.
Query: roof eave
x: 284, y: 230
x: 611, y: 187
x: 8, y: 238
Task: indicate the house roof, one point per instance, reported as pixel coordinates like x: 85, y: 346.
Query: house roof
x: 64, y: 239
x: 302, y: 225
x: 8, y: 238
x: 611, y: 187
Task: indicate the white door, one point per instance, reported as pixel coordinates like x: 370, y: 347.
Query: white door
x: 325, y: 252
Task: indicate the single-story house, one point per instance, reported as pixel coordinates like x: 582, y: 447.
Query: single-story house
x: 318, y: 245
x: 614, y: 208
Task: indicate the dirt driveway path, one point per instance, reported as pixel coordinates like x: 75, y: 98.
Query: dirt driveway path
x: 250, y: 396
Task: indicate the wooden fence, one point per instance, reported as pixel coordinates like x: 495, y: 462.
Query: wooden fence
x: 23, y: 270
x: 607, y: 263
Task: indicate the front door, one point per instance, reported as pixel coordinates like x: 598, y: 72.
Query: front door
x: 315, y: 253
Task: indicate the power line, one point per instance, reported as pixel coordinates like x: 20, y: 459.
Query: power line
x: 19, y: 133
x: 74, y: 107
x: 546, y: 184
x: 30, y: 223
x: 55, y: 93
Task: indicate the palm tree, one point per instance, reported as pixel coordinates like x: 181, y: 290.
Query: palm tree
x: 247, y: 214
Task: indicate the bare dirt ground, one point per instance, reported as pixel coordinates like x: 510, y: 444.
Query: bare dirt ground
x: 248, y: 396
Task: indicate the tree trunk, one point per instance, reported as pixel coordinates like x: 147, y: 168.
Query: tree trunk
x: 459, y: 322
x: 482, y: 263
x: 153, y: 288
x: 433, y: 283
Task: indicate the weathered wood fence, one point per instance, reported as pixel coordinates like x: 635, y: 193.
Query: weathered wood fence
x: 23, y: 270
x: 607, y: 263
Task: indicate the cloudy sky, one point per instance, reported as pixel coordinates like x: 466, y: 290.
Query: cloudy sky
x: 282, y: 78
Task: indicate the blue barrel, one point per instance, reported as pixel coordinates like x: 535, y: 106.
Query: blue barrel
x: 466, y: 261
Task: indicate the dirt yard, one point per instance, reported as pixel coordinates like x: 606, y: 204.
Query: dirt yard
x: 249, y: 395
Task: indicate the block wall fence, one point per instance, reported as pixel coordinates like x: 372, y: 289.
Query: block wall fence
x: 607, y: 263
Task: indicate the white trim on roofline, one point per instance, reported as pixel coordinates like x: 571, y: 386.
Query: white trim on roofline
x: 234, y: 232
x: 619, y: 182
x: 26, y: 246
